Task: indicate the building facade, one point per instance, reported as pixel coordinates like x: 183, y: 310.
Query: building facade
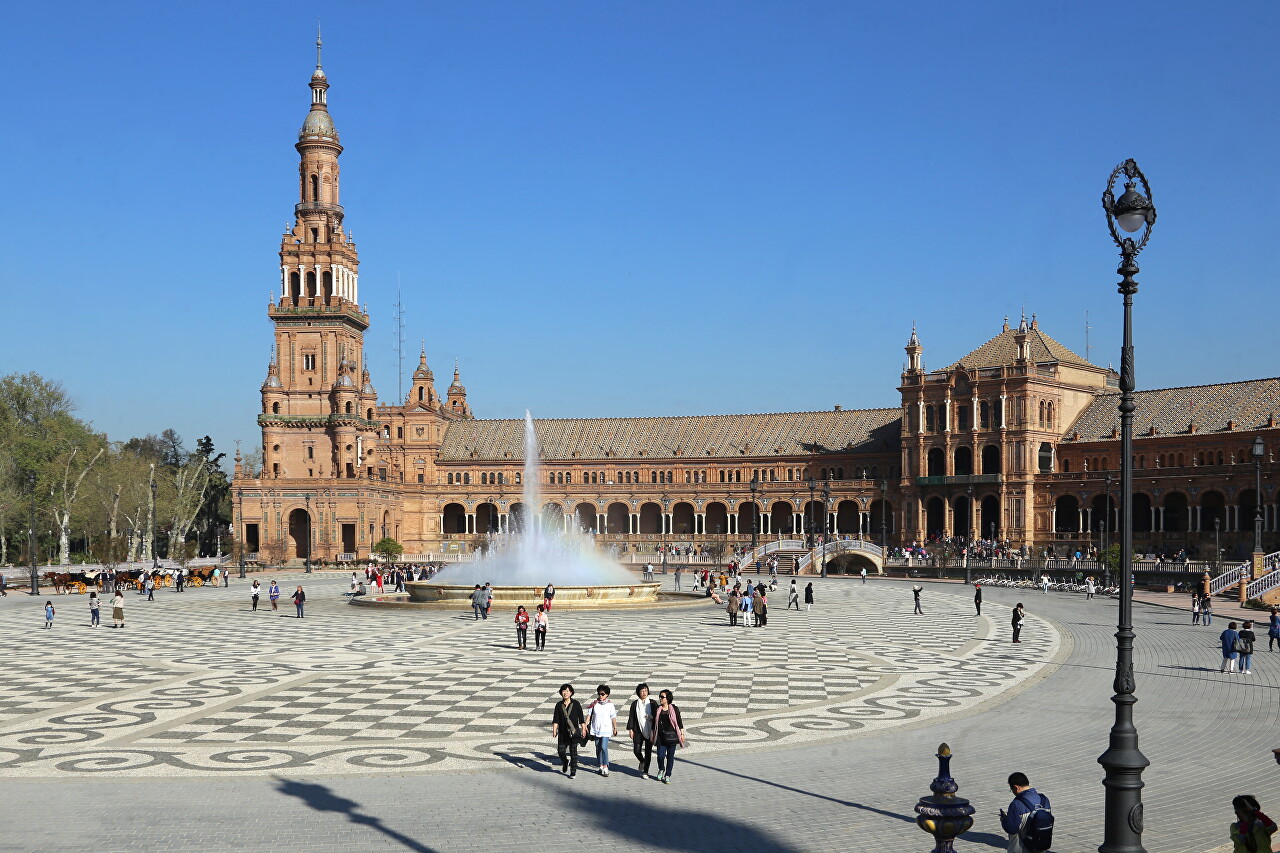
x: 1016, y: 441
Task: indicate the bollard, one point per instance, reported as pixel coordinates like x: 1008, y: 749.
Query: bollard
x: 944, y: 815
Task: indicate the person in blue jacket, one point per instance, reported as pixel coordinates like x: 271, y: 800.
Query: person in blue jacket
x: 1025, y: 798
x: 1229, y: 653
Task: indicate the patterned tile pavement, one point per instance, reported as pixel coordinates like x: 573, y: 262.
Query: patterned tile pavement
x: 1208, y: 736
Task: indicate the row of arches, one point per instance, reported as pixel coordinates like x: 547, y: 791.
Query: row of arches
x: 1172, y: 513
x: 780, y: 517
x: 963, y: 518
x: 962, y: 461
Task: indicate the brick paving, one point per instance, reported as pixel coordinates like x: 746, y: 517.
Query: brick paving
x: 1207, y: 735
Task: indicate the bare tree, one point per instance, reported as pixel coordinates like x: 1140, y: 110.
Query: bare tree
x: 65, y: 497
x: 190, y: 483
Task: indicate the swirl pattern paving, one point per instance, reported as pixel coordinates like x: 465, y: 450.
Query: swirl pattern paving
x: 199, y: 685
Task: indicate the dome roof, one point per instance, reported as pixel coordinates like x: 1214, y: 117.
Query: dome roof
x: 344, y: 381
x: 318, y: 123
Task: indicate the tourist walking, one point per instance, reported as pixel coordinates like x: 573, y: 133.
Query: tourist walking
x: 602, y: 724
x: 254, y: 591
x: 1029, y: 820
x: 1206, y: 610
x: 1245, y: 646
x: 48, y: 614
x: 668, y: 733
x: 1251, y: 831
x: 150, y: 585
x: 1090, y: 587
x: 863, y: 572
x: 355, y: 582
x: 977, y: 599
x: 640, y: 727
x: 540, y: 629
x: 1273, y: 629
x: 488, y: 598
x: 762, y: 607
x: 734, y: 602
x: 677, y: 578
x: 226, y: 578
x: 548, y: 595
x: 117, y: 609
x: 1230, y: 651
x: 94, y: 604
x: 478, y: 601
x: 1019, y: 616
x: 522, y: 627
x: 298, y: 598
x: 216, y: 574
x: 793, y: 595
x: 916, y: 589
x: 1044, y: 584
x: 273, y: 595
x: 1195, y: 610
x: 808, y: 596
x: 567, y: 726
x: 746, y: 605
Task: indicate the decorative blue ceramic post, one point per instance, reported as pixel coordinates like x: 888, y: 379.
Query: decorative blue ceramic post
x: 944, y: 815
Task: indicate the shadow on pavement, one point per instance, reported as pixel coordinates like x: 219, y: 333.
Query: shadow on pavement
x: 321, y: 799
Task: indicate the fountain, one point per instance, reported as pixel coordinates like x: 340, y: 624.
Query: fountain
x: 522, y: 562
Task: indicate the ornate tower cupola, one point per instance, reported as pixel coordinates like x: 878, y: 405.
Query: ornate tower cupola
x: 914, y: 351
x: 457, y: 403
x: 423, y: 391
x: 1020, y: 339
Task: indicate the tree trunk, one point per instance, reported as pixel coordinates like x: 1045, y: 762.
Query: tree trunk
x: 64, y: 537
x: 149, y: 535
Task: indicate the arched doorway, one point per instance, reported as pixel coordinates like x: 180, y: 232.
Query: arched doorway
x: 587, y: 520
x: 1248, y: 500
x: 960, y: 518
x: 1175, y: 512
x: 814, y: 518
x: 1066, y: 515
x: 517, y: 517
x: 1213, y: 506
x: 717, y: 518
x: 682, y: 519
x: 650, y: 518
x: 781, y: 517
x: 300, y: 534
x: 848, y: 517
x: 963, y: 461
x: 1099, y: 520
x: 1141, y: 513
x: 935, y: 517
x: 617, y: 519
x: 881, y: 520
x: 989, y: 519
x: 937, y: 462
x: 455, y: 519
x: 749, y: 513
x: 991, y: 459
x: 487, y: 519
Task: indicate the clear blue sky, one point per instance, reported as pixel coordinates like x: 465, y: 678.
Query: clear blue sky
x: 632, y: 208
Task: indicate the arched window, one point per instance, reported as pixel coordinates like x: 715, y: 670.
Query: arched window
x: 839, y: 474
x: 295, y: 287
x: 1066, y: 466
x: 984, y: 415
x: 275, y: 408
x: 422, y: 394
x: 315, y: 187
x: 369, y: 415
x: 1045, y: 457
x: 928, y: 418
x: 347, y: 408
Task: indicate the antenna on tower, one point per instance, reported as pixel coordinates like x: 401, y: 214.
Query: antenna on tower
x: 399, y: 318
x: 1087, y: 346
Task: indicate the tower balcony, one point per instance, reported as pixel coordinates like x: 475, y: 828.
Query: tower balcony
x: 959, y: 480
x: 309, y: 206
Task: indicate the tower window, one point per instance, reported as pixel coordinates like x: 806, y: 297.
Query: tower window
x: 309, y: 361
x: 315, y: 188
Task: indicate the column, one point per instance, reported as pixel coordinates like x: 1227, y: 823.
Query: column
x: 1003, y: 407
x: 1053, y: 520
x: 600, y: 522
x: 920, y: 417
x: 441, y: 517
x: 946, y: 415
x: 700, y: 523
x: 1154, y: 526
x: 1080, y: 525
x: 797, y: 523
x: 471, y: 522
x: 1195, y: 519
x: 502, y: 522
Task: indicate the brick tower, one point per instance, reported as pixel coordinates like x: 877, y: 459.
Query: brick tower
x: 318, y: 405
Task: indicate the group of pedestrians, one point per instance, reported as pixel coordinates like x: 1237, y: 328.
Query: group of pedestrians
x: 652, y: 724
x: 540, y: 622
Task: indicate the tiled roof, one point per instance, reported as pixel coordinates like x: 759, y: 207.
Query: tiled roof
x: 1171, y: 410
x: 1003, y: 349
x: 695, y: 437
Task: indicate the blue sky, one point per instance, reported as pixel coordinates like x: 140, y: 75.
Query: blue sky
x: 632, y: 208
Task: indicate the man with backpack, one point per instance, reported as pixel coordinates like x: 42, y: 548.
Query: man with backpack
x: 1029, y: 821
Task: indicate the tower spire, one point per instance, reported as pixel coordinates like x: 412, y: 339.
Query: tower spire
x: 319, y: 45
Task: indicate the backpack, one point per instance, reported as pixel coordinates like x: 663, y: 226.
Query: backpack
x: 1037, y: 826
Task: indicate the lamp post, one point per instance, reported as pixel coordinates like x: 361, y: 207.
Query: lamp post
x: 31, y: 536
x: 155, y: 554
x: 826, y: 509
x: 307, y: 561
x: 666, y: 511
x: 1123, y: 762
x: 1217, y: 545
x: 240, y: 521
x: 813, y: 485
x: 968, y: 535
x: 755, y: 510
x: 1259, y: 450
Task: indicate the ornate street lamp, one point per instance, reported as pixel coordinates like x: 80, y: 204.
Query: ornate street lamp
x: 1217, y: 544
x: 155, y: 554
x: 968, y: 535
x: 1123, y: 762
x: 1259, y: 450
x: 307, y: 563
x: 755, y: 510
x: 31, y: 536
x: 884, y: 513
x: 666, y: 511
x: 813, y: 485
x: 826, y: 508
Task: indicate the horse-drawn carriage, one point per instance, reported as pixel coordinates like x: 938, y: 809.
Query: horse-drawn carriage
x: 77, y: 582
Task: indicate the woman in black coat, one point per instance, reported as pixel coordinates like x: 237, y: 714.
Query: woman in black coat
x: 568, y: 724
x: 808, y: 596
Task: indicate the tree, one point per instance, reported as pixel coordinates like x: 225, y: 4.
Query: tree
x: 388, y: 549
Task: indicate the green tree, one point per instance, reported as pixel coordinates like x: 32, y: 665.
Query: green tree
x: 388, y: 548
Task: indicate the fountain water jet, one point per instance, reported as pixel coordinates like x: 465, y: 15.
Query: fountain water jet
x: 521, y: 562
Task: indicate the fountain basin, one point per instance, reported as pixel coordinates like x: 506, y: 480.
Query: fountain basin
x: 508, y: 597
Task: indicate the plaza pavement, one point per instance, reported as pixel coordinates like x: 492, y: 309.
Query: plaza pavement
x: 236, y: 755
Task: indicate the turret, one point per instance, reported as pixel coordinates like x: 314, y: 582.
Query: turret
x: 915, y: 363
x: 423, y: 391
x: 457, y: 403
